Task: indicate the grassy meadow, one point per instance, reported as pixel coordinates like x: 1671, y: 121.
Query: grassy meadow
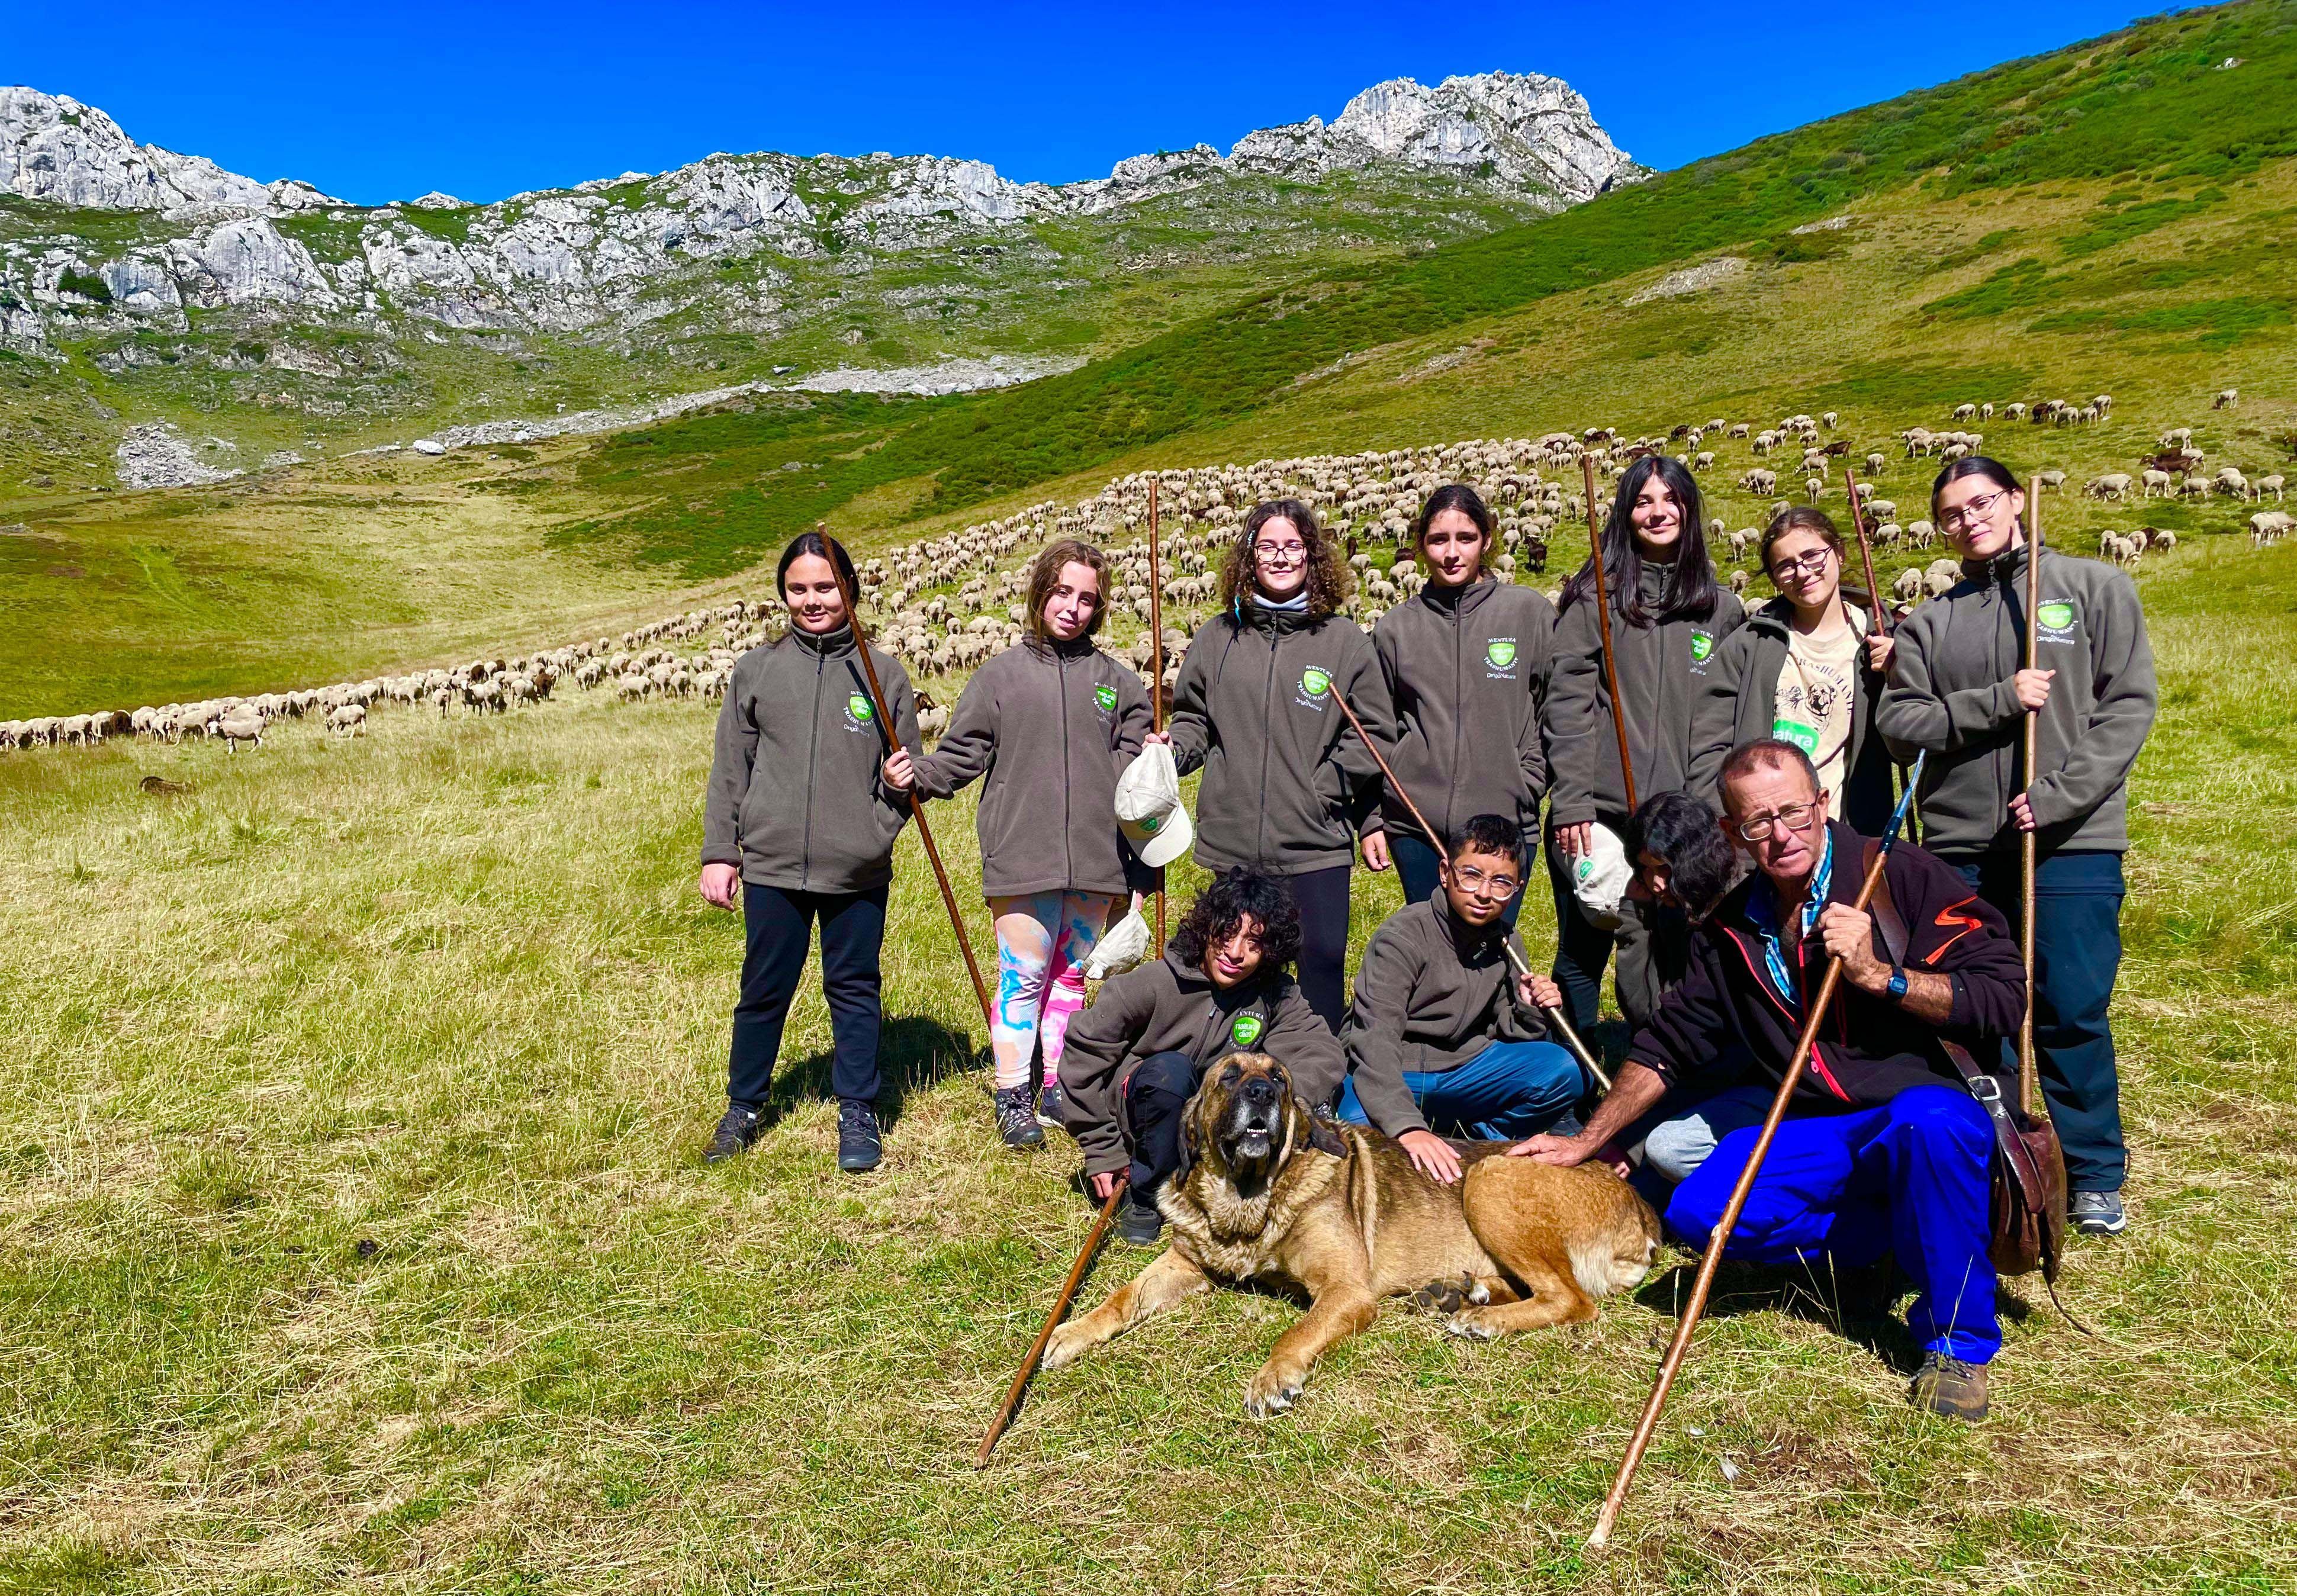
x: 353, y: 1234
x: 353, y: 1227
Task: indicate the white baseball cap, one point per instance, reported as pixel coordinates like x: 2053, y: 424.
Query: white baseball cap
x: 1148, y: 808
x: 1121, y: 947
x: 1600, y: 877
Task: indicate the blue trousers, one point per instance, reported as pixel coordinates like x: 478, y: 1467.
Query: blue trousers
x: 2076, y: 955
x: 1509, y: 1090
x: 1909, y: 1178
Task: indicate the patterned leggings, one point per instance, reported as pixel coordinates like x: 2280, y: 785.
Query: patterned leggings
x: 1043, y: 942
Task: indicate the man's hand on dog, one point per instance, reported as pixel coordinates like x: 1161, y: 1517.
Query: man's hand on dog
x: 1431, y: 1156
x: 1566, y: 1152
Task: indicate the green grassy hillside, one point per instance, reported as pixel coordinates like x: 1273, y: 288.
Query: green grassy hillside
x: 353, y: 1235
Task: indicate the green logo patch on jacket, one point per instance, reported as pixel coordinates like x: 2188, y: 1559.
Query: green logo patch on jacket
x: 1245, y: 1029
x: 857, y: 705
x: 1105, y: 695
x: 1499, y: 653
x: 1703, y: 644
x: 1315, y: 681
x: 2056, y: 619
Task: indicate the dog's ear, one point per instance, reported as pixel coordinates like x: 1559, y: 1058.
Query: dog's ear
x: 1188, y: 1147
x: 1324, y: 1136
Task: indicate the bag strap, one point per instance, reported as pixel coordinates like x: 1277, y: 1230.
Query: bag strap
x: 1887, y: 918
x: 2017, y: 1157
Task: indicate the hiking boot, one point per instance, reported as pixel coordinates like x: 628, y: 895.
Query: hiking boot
x: 1951, y: 1388
x: 859, y: 1146
x: 1138, y: 1223
x: 1050, y: 1101
x: 2097, y: 1213
x: 1017, y: 1119
x: 735, y: 1133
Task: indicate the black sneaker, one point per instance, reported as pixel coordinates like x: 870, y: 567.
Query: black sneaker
x: 1951, y: 1388
x: 2097, y: 1213
x: 859, y: 1146
x: 1138, y: 1223
x: 1017, y: 1119
x: 1050, y: 1101
x: 735, y: 1133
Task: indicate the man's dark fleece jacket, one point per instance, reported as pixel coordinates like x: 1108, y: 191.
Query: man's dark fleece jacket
x: 1434, y: 991
x: 1167, y: 1006
x: 1868, y: 1050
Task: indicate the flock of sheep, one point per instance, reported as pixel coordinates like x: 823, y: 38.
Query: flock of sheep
x: 945, y: 604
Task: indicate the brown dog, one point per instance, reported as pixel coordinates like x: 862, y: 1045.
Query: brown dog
x: 1268, y: 1194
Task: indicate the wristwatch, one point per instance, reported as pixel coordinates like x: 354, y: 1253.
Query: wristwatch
x: 1898, y: 986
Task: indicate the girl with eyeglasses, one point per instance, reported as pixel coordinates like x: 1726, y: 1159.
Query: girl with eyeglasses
x: 1808, y: 669
x: 1287, y: 786
x: 1669, y: 618
x: 1961, y: 687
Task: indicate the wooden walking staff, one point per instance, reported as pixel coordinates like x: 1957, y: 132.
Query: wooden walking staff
x: 1866, y: 551
x: 1603, y: 620
x: 1716, y: 1243
x: 1012, y: 1403
x: 838, y: 560
x: 1556, y: 1015
x: 1156, y: 667
x: 2029, y: 1075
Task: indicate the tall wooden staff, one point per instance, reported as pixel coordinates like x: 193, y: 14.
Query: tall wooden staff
x: 1561, y: 1021
x: 1156, y: 667
x: 1012, y: 1403
x: 1640, y: 1441
x: 838, y: 560
x: 2029, y: 1075
x: 1865, y: 553
x: 1603, y: 620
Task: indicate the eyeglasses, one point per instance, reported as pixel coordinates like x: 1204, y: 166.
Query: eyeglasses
x: 1971, y: 513
x: 1815, y: 561
x: 1471, y: 880
x: 1794, y: 816
x: 1280, y: 553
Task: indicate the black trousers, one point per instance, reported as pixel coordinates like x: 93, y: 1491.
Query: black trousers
x: 1323, y: 896
x: 780, y: 924
x: 1155, y: 1094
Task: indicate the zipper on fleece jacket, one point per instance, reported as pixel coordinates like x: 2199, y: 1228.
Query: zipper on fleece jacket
x: 1267, y: 736
x: 1061, y: 681
x: 812, y: 776
x: 1459, y: 723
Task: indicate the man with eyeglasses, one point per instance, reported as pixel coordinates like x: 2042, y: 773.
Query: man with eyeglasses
x: 1443, y: 1036
x: 1961, y: 687
x: 1884, y: 1151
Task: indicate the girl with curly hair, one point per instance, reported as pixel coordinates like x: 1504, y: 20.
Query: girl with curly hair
x: 1287, y: 786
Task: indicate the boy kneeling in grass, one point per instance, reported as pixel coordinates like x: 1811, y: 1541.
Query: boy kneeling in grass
x: 1443, y: 1036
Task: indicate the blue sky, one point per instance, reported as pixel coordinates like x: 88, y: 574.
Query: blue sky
x: 484, y: 100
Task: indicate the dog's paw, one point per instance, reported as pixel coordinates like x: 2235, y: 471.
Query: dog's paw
x: 1068, y: 1344
x: 1272, y: 1391
x: 1444, y: 1296
x: 1473, y: 1323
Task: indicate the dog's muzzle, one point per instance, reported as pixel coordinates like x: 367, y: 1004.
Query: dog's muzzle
x: 1254, y: 1116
